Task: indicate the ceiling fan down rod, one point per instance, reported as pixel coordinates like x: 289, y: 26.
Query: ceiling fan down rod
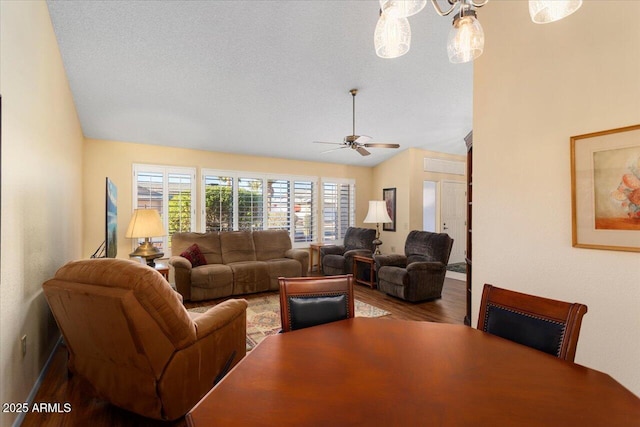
x: 353, y: 95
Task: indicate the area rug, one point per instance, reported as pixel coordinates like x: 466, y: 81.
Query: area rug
x: 458, y: 267
x: 263, y: 316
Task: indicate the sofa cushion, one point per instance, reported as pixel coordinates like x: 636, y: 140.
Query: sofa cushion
x: 282, y: 267
x: 249, y: 277
x: 271, y: 244
x: 237, y: 246
x: 209, y: 244
x: 194, y: 255
x: 213, y: 276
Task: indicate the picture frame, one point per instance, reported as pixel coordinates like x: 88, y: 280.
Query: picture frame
x: 389, y: 196
x: 605, y: 189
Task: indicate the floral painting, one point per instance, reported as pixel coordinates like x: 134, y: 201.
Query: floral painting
x: 605, y: 189
x: 617, y: 189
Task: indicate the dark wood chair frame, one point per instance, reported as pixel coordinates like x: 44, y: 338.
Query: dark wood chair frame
x: 314, y: 287
x: 567, y: 314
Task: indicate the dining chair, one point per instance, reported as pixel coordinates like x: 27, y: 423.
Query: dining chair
x: 311, y: 301
x: 544, y: 324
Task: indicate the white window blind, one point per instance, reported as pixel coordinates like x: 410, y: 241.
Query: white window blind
x: 219, y: 203
x: 338, y: 209
x: 250, y: 204
x: 278, y: 204
x: 304, y: 228
x: 169, y: 190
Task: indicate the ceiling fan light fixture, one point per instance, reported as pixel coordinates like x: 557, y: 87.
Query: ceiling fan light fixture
x: 392, y: 37
x: 466, y: 38
x: 402, y: 8
x: 546, y: 11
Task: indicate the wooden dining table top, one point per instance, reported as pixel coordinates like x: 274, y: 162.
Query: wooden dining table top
x: 377, y: 371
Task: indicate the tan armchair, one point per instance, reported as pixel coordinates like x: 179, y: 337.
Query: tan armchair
x: 129, y: 335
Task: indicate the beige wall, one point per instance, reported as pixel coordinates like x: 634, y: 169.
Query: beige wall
x: 115, y: 160
x: 41, y: 190
x: 405, y: 172
x: 534, y: 87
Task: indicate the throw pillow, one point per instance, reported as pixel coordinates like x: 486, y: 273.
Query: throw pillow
x: 194, y: 255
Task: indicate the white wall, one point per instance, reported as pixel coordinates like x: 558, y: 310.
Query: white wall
x: 534, y: 87
x: 41, y: 190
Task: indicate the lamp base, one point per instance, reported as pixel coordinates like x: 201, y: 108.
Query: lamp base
x: 149, y: 252
x: 377, y: 242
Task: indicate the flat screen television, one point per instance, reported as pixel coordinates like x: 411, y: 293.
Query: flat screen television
x: 111, y: 220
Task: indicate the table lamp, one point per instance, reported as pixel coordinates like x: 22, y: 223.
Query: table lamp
x: 146, y: 223
x: 377, y: 214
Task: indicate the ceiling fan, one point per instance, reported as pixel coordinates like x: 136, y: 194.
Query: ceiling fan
x: 357, y: 142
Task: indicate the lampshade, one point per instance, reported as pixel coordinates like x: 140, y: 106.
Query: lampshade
x: 466, y: 38
x: 402, y: 8
x: 377, y: 212
x: 545, y: 11
x: 392, y: 37
x: 145, y: 223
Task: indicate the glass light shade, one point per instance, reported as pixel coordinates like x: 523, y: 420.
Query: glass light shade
x: 466, y: 39
x: 145, y: 223
x: 392, y: 37
x: 545, y: 11
x: 402, y: 8
x: 377, y: 212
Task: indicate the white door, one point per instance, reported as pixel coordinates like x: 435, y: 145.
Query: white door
x: 452, y: 217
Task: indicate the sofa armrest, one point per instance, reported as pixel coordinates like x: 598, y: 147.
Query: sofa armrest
x: 430, y: 266
x: 182, y: 270
x: 361, y: 252
x: 218, y: 316
x: 394, y: 260
x: 331, y: 250
x: 300, y: 255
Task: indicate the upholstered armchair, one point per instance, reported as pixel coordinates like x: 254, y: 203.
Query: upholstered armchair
x: 417, y: 275
x: 131, y: 338
x: 339, y: 259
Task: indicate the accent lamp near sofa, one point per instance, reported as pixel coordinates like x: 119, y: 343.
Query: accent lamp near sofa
x: 338, y: 259
x: 219, y: 264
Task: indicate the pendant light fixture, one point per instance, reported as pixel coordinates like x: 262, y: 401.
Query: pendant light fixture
x: 392, y: 37
x: 402, y: 8
x: 466, y: 39
x: 545, y: 11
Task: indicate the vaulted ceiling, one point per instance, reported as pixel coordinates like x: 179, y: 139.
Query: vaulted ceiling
x: 263, y: 78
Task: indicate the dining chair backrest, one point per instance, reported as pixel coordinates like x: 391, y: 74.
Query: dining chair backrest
x: 311, y: 301
x: 545, y: 324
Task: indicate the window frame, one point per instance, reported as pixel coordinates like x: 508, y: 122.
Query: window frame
x: 166, y: 171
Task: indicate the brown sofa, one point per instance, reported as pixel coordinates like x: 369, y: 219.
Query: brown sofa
x: 129, y: 335
x: 237, y: 263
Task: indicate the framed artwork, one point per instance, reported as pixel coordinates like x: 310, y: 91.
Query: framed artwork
x: 605, y: 189
x: 389, y: 197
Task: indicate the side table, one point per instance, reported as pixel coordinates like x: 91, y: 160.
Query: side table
x: 315, y: 248
x: 163, y: 269
x: 371, y: 282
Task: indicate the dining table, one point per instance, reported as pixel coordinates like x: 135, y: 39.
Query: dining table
x: 390, y: 372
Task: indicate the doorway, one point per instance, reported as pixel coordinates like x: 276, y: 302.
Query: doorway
x: 453, y: 216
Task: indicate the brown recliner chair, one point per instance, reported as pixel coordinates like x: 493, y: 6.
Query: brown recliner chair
x: 129, y: 335
x: 419, y: 274
x: 338, y: 260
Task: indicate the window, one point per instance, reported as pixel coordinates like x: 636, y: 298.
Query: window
x: 248, y: 201
x: 338, y: 208
x: 170, y: 191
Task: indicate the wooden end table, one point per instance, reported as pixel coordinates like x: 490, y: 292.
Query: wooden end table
x: 372, y: 270
x: 163, y: 269
x: 313, y: 248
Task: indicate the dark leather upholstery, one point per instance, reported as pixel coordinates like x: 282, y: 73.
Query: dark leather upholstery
x: 311, y: 301
x: 419, y: 274
x: 306, y: 311
x: 547, y: 325
x: 338, y: 259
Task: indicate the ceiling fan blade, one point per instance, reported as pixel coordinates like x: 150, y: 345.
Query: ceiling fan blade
x: 362, y: 151
x: 333, y: 149
x: 325, y: 142
x: 381, y: 145
x: 362, y: 139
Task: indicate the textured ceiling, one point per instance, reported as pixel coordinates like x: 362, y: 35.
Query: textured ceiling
x: 260, y: 77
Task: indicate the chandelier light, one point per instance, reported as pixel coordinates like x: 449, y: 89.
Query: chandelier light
x: 392, y: 37
x: 466, y: 39
x: 402, y: 8
x: 545, y: 11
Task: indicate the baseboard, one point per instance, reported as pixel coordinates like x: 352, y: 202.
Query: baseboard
x: 36, y: 386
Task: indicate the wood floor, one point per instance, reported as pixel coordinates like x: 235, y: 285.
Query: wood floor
x: 89, y: 410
